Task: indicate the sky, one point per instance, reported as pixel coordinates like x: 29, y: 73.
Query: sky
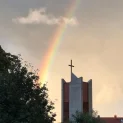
x: 92, y: 39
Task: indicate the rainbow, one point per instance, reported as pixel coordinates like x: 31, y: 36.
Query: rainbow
x: 55, y: 43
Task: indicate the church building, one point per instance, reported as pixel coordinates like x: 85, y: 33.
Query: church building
x: 76, y: 95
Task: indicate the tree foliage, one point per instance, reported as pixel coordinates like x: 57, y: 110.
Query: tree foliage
x: 22, y: 100
x: 79, y: 117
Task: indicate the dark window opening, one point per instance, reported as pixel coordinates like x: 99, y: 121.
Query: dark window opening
x: 85, y: 107
x: 66, y: 106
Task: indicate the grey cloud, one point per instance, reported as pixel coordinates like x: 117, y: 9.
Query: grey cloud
x: 38, y: 16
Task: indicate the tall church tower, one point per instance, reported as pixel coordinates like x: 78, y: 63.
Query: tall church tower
x: 76, y: 96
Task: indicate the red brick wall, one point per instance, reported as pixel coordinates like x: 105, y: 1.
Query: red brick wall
x: 66, y: 92
x: 111, y: 119
x: 66, y: 101
x: 85, y: 97
x: 85, y: 92
x: 85, y: 107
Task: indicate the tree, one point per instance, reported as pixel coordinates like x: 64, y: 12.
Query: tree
x: 22, y: 100
x: 79, y: 117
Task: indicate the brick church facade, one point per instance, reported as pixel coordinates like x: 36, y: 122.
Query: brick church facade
x: 85, y: 96
x: 77, y: 95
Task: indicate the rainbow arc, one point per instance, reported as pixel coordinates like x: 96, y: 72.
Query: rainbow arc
x: 55, y: 43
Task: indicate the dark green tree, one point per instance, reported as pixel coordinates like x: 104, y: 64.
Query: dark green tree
x: 22, y: 100
x: 79, y: 117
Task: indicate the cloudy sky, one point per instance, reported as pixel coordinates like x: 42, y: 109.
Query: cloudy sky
x: 93, y: 40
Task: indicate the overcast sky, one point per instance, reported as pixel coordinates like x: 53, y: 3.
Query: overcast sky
x: 93, y: 39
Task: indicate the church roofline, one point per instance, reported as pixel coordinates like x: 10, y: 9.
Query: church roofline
x: 90, y: 80
x: 63, y: 80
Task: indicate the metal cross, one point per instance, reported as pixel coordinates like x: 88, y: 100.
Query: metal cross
x: 71, y: 66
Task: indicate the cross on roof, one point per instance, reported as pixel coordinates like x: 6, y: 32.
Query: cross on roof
x: 71, y: 66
